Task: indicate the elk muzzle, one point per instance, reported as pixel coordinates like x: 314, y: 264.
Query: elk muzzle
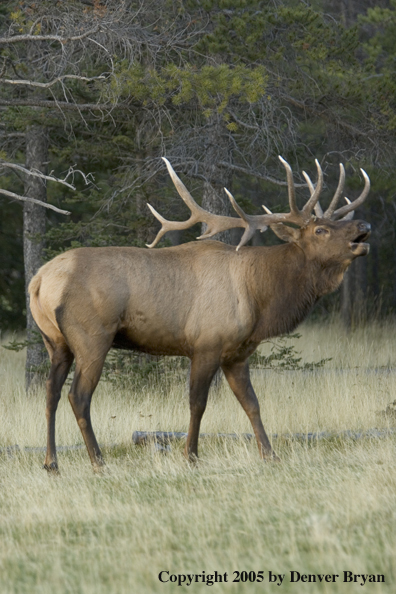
x: 358, y: 245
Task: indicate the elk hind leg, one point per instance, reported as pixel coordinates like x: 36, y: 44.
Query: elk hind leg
x: 61, y: 360
x: 86, y: 378
x: 238, y: 377
x: 203, y: 369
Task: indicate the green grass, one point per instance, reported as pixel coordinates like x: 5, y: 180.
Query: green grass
x: 328, y: 507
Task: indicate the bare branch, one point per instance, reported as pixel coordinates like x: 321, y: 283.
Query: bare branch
x: 28, y: 37
x: 106, y: 50
x: 50, y: 177
x: 88, y: 178
x: 243, y: 124
x: 255, y: 173
x: 31, y: 83
x: 36, y: 173
x: 59, y: 104
x: 27, y: 199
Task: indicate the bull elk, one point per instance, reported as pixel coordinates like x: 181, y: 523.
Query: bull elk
x: 207, y: 301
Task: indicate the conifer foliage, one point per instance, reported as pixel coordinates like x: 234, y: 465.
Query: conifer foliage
x: 220, y: 88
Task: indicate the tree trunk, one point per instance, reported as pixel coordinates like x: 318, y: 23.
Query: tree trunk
x: 346, y: 299
x: 354, y: 293
x: 375, y: 283
x: 146, y: 223
x: 34, y: 219
x: 214, y: 198
x: 394, y: 281
x: 360, y: 292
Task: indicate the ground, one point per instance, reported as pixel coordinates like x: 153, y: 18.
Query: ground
x: 329, y: 507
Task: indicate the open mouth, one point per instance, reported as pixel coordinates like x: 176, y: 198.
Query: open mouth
x: 359, y: 242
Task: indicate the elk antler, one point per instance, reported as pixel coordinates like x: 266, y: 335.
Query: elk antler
x: 304, y: 215
x: 251, y: 223
x: 344, y: 212
x: 215, y: 223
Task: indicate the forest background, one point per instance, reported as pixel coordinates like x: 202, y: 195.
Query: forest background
x: 94, y: 93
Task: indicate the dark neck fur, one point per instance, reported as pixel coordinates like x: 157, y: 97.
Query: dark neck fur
x: 287, y: 286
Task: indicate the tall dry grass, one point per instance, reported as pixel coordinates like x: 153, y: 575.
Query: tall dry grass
x: 327, y: 508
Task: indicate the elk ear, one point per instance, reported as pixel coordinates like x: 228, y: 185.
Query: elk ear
x: 285, y: 233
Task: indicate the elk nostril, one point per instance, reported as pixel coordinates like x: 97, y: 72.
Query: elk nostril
x: 366, y: 227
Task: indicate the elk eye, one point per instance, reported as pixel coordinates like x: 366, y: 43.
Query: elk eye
x: 320, y: 230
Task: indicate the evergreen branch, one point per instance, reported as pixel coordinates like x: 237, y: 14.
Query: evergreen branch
x: 324, y: 113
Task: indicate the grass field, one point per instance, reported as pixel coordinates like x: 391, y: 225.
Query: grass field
x: 329, y: 507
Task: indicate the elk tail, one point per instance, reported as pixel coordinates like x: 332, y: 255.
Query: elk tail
x: 34, y: 287
x: 34, y: 290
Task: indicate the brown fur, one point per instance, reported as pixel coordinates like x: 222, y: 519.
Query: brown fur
x: 204, y: 301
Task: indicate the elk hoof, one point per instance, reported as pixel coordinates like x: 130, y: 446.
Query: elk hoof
x: 100, y: 469
x: 52, y: 468
x: 271, y: 457
x: 191, y: 458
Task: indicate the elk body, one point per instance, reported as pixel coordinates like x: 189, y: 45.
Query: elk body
x: 206, y: 301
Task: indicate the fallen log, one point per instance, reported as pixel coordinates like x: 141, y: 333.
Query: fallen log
x: 160, y: 437
x: 166, y: 437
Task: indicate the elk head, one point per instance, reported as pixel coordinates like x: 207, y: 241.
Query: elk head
x: 331, y: 238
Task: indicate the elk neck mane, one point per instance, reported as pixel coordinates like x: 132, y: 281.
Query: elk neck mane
x: 285, y: 286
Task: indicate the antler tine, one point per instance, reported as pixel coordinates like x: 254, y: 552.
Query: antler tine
x: 249, y: 223
x: 340, y: 188
x: 182, y: 190
x: 215, y: 223
x: 292, y: 193
x: 309, y: 182
x: 310, y: 205
x: 261, y: 222
x: 236, y: 206
x: 348, y: 216
x: 341, y: 212
x: 164, y: 229
x: 196, y: 214
x: 318, y: 209
x: 252, y: 223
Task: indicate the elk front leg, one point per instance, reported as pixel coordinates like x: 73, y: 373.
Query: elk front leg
x: 203, y: 369
x: 61, y: 360
x: 238, y: 377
